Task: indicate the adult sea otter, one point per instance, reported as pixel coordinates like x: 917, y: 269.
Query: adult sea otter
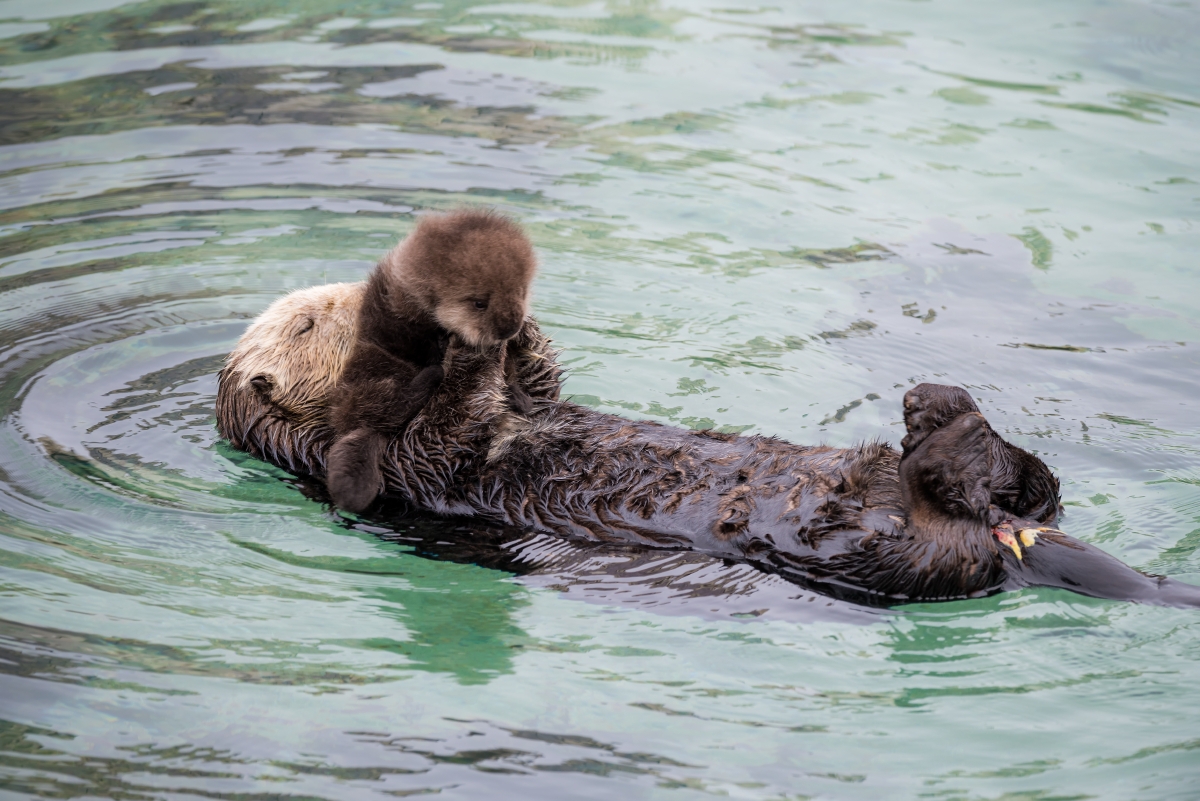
x: 960, y: 514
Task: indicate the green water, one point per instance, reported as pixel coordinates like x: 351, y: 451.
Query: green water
x: 761, y: 218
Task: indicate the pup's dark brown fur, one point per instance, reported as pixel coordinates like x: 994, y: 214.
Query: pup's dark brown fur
x: 465, y: 274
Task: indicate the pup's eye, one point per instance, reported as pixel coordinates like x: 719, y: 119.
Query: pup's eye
x: 305, y: 327
x: 481, y: 304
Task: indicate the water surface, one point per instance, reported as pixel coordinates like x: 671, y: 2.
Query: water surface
x: 759, y: 218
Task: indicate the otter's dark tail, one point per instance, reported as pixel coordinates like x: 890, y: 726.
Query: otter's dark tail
x: 1057, y: 560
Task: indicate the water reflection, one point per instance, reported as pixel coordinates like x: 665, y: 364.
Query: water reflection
x: 459, y: 622
x: 667, y: 582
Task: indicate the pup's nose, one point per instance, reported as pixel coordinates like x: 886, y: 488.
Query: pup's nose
x: 507, y: 327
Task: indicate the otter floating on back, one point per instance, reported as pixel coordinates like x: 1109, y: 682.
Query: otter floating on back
x: 963, y: 514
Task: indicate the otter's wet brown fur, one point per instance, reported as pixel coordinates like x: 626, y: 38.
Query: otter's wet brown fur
x: 465, y: 274
x: 826, y: 518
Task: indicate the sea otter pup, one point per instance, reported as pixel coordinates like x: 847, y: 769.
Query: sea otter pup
x: 858, y: 523
x: 465, y: 274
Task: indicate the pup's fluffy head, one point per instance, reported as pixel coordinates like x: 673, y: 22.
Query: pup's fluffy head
x: 293, y: 353
x: 470, y: 269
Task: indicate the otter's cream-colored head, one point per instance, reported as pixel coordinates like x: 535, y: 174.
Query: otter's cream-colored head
x: 294, y: 352
x: 470, y: 269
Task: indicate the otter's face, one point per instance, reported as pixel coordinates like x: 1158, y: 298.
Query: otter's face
x: 293, y: 353
x: 486, y: 313
x: 470, y: 270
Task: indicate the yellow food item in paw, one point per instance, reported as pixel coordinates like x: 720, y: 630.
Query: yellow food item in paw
x: 1005, y: 536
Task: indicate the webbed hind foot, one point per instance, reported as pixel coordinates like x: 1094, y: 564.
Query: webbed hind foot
x: 1021, y: 484
x: 948, y: 476
x: 928, y: 407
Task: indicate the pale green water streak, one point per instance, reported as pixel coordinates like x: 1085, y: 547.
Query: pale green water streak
x: 764, y: 218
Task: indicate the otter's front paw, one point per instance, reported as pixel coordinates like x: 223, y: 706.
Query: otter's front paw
x: 1016, y: 534
x: 354, y: 478
x: 928, y: 407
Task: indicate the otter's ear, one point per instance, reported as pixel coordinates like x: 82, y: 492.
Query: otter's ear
x: 262, y: 383
x: 304, y: 326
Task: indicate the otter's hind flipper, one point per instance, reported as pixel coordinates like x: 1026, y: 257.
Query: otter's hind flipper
x: 354, y: 476
x: 1021, y: 483
x: 947, y: 477
x: 928, y: 407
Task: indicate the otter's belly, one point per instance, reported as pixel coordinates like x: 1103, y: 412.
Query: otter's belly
x: 582, y: 474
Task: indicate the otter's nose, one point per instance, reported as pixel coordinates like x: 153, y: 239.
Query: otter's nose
x: 507, y: 327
